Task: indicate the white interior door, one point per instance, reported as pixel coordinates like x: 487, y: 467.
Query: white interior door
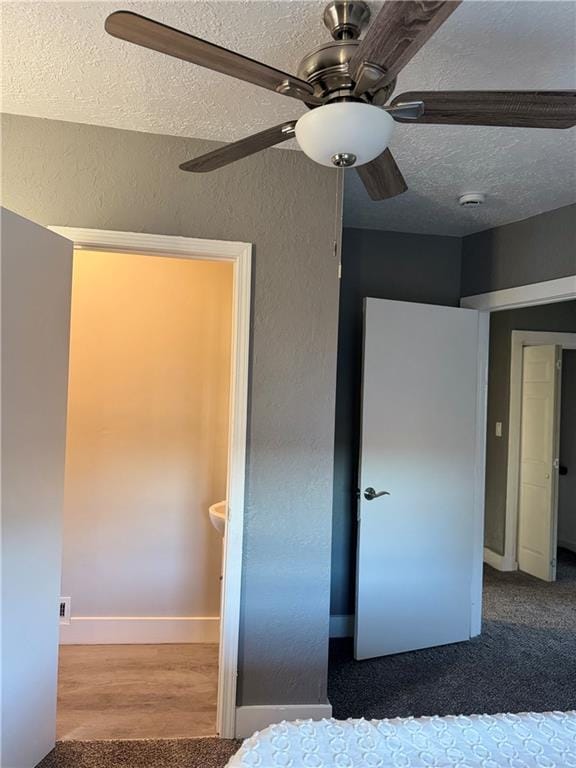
x: 419, y: 548
x: 539, y: 446
x: 36, y: 282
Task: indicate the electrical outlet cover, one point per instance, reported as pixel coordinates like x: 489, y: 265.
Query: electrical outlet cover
x: 64, y: 610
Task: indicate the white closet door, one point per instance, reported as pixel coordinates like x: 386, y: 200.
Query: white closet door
x: 538, y: 461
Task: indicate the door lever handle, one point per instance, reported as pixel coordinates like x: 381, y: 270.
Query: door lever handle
x: 370, y: 494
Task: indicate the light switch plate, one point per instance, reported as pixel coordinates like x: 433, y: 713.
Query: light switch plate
x: 498, y: 429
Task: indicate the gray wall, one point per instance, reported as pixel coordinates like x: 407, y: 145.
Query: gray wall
x: 384, y: 265
x: 548, y: 317
x: 87, y: 176
x: 530, y: 251
x: 567, y: 483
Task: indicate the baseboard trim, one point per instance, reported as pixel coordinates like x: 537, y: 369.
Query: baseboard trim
x: 499, y: 562
x: 567, y: 544
x: 252, y: 719
x: 103, y: 630
x: 342, y: 626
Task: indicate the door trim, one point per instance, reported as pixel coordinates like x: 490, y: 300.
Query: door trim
x: 240, y: 254
x: 520, y: 339
x: 546, y: 292
x: 480, y: 472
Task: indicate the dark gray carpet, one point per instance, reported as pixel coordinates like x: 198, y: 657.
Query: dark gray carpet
x: 525, y: 658
x: 163, y: 753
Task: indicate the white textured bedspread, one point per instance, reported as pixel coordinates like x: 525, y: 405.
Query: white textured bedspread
x: 530, y: 740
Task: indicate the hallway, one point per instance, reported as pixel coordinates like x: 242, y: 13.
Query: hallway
x: 524, y: 660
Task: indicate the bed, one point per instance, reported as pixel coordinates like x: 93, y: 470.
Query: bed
x: 528, y: 740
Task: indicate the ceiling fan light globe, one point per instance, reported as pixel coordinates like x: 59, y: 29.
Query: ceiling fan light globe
x: 344, y: 129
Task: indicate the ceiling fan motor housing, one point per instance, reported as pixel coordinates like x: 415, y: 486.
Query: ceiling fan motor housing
x: 326, y: 66
x: 326, y: 69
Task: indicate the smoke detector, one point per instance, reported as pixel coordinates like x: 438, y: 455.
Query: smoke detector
x: 471, y: 200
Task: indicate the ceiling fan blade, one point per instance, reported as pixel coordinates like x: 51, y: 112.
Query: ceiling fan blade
x: 524, y: 109
x: 159, y: 37
x: 382, y: 177
x: 398, y: 33
x: 239, y: 149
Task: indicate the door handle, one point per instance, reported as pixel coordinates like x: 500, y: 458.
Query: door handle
x: 370, y: 494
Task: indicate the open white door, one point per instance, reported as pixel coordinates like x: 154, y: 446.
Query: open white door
x: 418, y: 579
x: 36, y: 283
x: 539, y: 447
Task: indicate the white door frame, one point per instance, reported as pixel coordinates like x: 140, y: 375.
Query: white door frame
x: 240, y: 254
x: 521, y: 339
x: 547, y: 292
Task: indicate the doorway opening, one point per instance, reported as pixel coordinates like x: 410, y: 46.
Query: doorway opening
x: 155, y: 462
x: 539, y: 491
x: 146, y: 460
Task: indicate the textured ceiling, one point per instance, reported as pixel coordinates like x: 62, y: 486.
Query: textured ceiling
x: 57, y: 62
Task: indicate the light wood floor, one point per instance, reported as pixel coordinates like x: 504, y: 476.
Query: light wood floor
x: 137, y: 691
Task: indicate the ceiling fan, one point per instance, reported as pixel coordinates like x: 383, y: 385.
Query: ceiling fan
x: 347, y: 83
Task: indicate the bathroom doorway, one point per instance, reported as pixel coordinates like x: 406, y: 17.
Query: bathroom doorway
x: 153, y: 458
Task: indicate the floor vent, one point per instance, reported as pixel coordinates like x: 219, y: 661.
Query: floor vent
x: 64, y: 610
